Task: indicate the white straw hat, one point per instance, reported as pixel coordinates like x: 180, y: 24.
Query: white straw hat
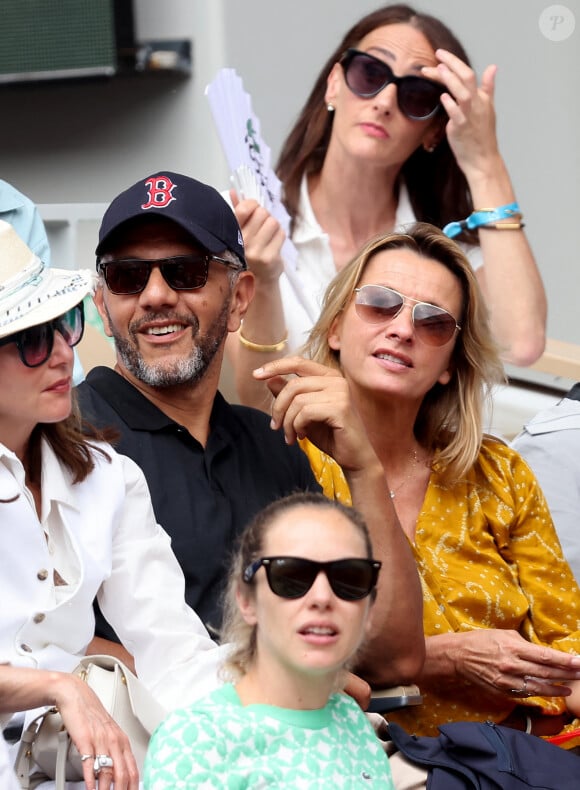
x: 31, y: 293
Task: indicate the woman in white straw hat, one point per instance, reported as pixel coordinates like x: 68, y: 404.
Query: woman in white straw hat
x: 76, y: 523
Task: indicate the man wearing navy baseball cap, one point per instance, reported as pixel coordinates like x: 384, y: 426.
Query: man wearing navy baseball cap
x: 173, y: 284
x: 198, y: 208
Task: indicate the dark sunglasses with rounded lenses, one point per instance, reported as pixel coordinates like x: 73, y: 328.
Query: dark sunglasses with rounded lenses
x: 291, y: 577
x: 35, y: 344
x: 366, y: 76
x: 433, y: 325
x: 181, y: 272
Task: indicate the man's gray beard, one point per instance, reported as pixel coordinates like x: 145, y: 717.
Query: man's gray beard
x: 182, y: 371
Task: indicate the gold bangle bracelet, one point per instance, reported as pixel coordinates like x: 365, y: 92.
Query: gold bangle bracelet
x: 503, y: 226
x: 262, y: 348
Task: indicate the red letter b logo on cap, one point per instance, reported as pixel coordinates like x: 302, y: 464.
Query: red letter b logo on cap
x: 159, y: 192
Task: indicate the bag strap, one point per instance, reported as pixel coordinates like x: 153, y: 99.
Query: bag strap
x: 22, y: 762
x: 61, y: 756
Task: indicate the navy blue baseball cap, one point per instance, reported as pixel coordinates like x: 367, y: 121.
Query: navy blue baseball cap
x: 196, y: 207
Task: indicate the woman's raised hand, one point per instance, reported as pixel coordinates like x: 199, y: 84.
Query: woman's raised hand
x: 263, y: 238
x: 313, y: 401
x: 471, y: 129
x: 515, y: 294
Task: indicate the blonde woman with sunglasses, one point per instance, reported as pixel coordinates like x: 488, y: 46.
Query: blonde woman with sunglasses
x: 403, y: 346
x: 398, y: 128
x: 298, y: 604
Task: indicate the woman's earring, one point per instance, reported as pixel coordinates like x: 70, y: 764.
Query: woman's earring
x: 330, y: 107
x: 430, y: 148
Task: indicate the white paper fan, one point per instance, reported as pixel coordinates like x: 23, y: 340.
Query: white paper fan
x: 248, y: 158
x: 239, y: 133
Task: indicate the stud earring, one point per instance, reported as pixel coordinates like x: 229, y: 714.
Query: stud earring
x: 330, y: 107
x: 430, y: 148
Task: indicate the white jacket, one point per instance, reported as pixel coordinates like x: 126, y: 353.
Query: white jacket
x: 102, y: 538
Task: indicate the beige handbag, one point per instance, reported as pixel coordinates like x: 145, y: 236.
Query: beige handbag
x: 46, y: 745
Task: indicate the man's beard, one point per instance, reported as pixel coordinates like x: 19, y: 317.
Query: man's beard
x: 188, y: 370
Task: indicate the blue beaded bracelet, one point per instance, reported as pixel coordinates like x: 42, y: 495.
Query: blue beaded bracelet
x: 485, y: 216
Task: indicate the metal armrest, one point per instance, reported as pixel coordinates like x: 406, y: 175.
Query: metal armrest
x: 384, y: 700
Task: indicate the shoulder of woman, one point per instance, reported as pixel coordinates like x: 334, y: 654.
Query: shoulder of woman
x: 501, y: 463
x: 114, y: 473
x: 204, y: 707
x: 494, y: 447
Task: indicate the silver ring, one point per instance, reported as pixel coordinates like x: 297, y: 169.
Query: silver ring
x: 102, y: 761
x: 87, y: 757
x: 523, y: 692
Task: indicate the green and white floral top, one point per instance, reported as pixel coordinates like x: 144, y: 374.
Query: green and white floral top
x: 219, y: 743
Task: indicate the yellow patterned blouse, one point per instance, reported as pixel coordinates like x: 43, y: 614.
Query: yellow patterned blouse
x: 488, y: 557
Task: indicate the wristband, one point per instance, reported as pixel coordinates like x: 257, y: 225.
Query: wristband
x: 260, y: 347
x: 482, y: 217
x: 504, y: 226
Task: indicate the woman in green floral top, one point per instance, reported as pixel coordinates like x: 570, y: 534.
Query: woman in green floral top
x: 298, y: 607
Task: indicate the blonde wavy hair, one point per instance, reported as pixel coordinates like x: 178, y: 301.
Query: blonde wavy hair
x: 449, y: 422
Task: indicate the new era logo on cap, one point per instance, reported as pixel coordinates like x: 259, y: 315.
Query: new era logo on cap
x: 196, y: 207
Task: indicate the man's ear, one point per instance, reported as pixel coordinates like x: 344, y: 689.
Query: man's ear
x: 242, y: 295
x: 99, y: 300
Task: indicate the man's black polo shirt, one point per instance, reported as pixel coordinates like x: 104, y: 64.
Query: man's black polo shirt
x: 202, y: 497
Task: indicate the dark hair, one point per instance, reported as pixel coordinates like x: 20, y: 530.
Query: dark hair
x: 446, y: 197
x: 235, y: 630
x: 72, y: 442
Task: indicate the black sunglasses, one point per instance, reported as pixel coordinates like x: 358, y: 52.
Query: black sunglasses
x: 35, y: 344
x: 433, y: 325
x: 365, y: 75
x: 291, y: 577
x: 181, y: 272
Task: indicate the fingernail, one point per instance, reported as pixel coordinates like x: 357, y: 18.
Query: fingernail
x: 258, y: 371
